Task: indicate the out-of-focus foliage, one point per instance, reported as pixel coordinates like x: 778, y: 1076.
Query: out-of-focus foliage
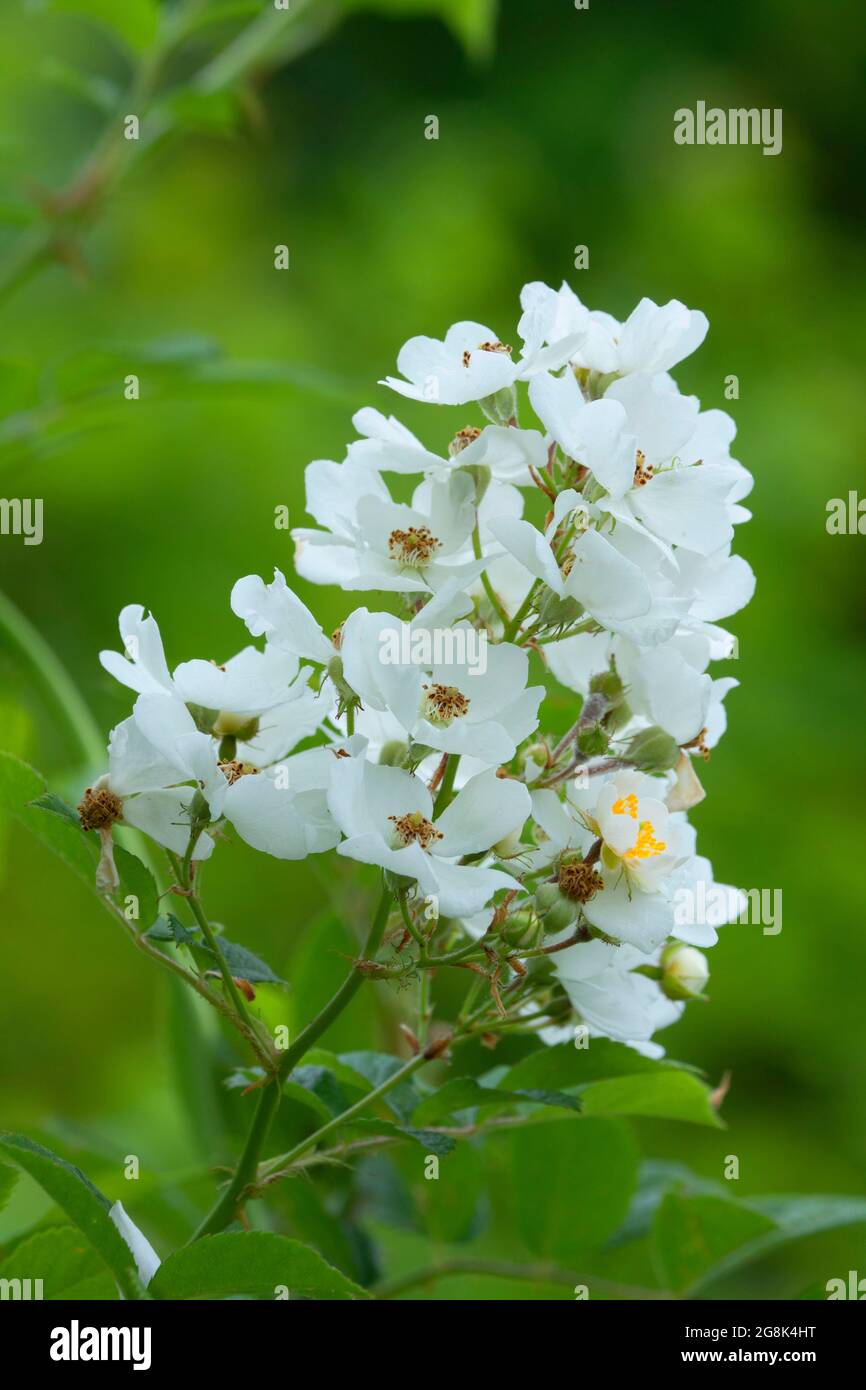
x: 312, y: 136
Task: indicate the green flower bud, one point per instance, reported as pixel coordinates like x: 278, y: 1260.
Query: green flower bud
x: 480, y: 475
x: 592, y: 741
x: 554, y: 909
x: 346, y: 697
x: 652, y: 750
x: 608, y: 683
x: 508, y: 846
x: 684, y: 972
x: 558, y: 612
x: 393, y: 753
x: 500, y: 407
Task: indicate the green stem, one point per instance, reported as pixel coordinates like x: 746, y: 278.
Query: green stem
x: 287, y: 1159
x: 213, y: 942
x: 514, y: 626
x: 225, y: 1210
x: 408, y: 923
x: 488, y: 587
x: 347, y: 991
x: 446, y: 788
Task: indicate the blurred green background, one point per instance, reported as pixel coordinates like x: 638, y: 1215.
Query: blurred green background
x: 557, y: 132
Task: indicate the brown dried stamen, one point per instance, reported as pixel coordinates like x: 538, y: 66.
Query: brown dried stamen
x: 414, y: 546
x: 413, y: 828
x: 99, y: 808
x: 643, y: 471
x: 495, y: 347
x: 700, y: 744
x: 234, y: 769
x: 578, y: 881
x: 444, y: 703
x: 462, y: 439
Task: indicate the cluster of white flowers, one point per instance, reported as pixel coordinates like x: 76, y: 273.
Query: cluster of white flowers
x: 593, y: 546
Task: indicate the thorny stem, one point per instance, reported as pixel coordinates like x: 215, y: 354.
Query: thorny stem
x: 223, y: 1213
x: 347, y: 991
x: 275, y: 1165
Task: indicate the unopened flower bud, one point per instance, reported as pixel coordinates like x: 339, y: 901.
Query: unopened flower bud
x: 508, y: 845
x: 558, y: 612
x: 593, y: 741
x: 653, y: 750
x: 684, y: 972
x: 554, y: 909
x: 393, y: 753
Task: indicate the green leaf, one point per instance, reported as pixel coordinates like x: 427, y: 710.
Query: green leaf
x: 65, y: 1263
x: 471, y: 21
x: 430, y: 1140
x: 348, y: 1076
x: 20, y: 786
x: 134, y: 22
x: 256, y: 1264
x: 692, y: 1233
x: 83, y: 1203
x: 379, y: 1067
x: 8, y: 1179
x: 572, y: 1184
x: 58, y: 807
x: 564, y: 1066
x: 136, y: 883
x: 464, y: 1093
x: 792, y: 1218
x: 247, y: 966
x: 667, y: 1095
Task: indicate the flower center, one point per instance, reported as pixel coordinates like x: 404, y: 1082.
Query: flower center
x: 234, y: 769
x: 643, y: 471
x: 444, y: 703
x: 646, y: 845
x: 579, y: 881
x: 413, y: 828
x: 99, y: 808
x: 462, y: 439
x: 487, y: 347
x: 626, y: 806
x: 413, y: 547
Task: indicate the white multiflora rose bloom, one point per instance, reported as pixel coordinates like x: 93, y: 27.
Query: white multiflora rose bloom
x: 653, y: 338
x: 279, y: 807
x: 608, y: 995
x: 471, y: 363
x: 588, y: 568
x: 274, y: 611
x: 593, y: 433
x: 142, y: 665
x: 389, y: 447
x: 374, y: 543
x: 144, y: 787
x: 452, y: 692
x: 253, y: 688
x: 388, y: 819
